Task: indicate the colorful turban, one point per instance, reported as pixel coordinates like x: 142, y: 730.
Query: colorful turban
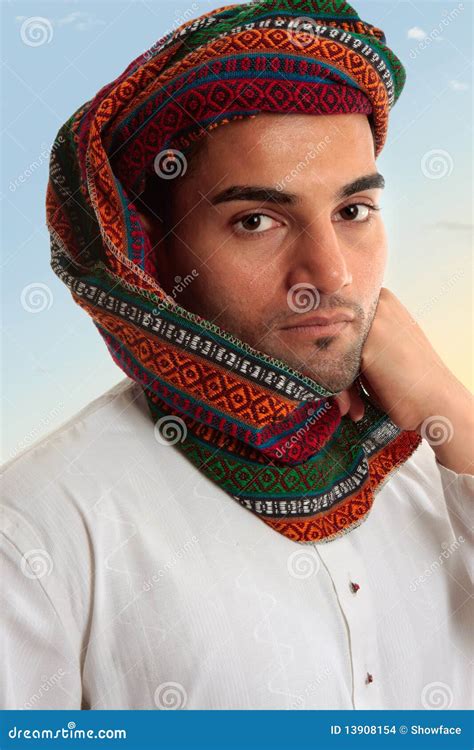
x: 271, y: 437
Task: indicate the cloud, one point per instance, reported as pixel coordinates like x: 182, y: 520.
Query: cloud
x: 454, y: 226
x: 458, y: 85
x: 416, y: 33
x: 77, y: 20
x: 80, y: 20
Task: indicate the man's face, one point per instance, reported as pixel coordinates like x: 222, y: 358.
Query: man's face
x: 257, y: 255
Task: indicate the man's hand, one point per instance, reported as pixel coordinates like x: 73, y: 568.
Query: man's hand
x: 405, y: 377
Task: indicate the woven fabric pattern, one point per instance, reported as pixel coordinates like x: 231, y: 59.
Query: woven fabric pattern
x: 271, y: 437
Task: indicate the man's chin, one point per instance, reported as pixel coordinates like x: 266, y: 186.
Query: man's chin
x: 331, y: 379
x: 334, y: 375
x: 334, y: 372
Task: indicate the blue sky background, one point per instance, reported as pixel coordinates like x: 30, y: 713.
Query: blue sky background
x: 54, y: 361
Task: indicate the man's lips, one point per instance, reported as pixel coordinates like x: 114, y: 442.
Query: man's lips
x: 321, y: 320
x: 322, y: 325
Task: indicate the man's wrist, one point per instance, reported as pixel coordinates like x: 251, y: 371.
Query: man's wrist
x: 449, y: 429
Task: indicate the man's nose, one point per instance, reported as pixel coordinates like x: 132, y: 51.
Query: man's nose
x: 318, y: 259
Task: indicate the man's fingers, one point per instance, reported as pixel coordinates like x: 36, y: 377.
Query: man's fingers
x: 370, y: 391
x: 344, y: 402
x: 350, y: 402
x: 357, y: 407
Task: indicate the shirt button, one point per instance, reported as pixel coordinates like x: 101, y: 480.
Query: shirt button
x: 354, y: 587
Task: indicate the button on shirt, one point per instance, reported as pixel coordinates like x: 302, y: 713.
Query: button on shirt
x: 131, y: 581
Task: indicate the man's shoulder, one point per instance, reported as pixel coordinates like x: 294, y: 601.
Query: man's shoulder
x: 60, y: 495
x: 90, y: 460
x: 114, y: 412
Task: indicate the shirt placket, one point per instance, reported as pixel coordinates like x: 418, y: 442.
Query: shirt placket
x: 348, y: 574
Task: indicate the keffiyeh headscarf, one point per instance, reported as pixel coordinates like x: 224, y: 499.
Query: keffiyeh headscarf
x: 269, y: 436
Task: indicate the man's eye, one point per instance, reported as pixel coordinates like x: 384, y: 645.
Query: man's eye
x: 254, y: 224
x: 357, y: 212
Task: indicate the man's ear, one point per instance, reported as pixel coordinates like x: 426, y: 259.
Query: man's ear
x: 160, y: 247
x: 152, y: 226
x: 372, y: 128
x: 146, y: 221
x: 152, y: 207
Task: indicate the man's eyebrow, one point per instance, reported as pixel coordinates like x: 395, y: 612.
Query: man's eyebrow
x: 265, y: 194
x: 366, y: 182
x: 255, y: 193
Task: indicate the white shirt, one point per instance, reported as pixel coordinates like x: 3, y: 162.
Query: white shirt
x: 132, y: 581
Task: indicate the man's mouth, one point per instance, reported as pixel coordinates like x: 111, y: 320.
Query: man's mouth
x: 320, y: 325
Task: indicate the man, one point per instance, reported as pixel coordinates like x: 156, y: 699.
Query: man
x: 262, y: 514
